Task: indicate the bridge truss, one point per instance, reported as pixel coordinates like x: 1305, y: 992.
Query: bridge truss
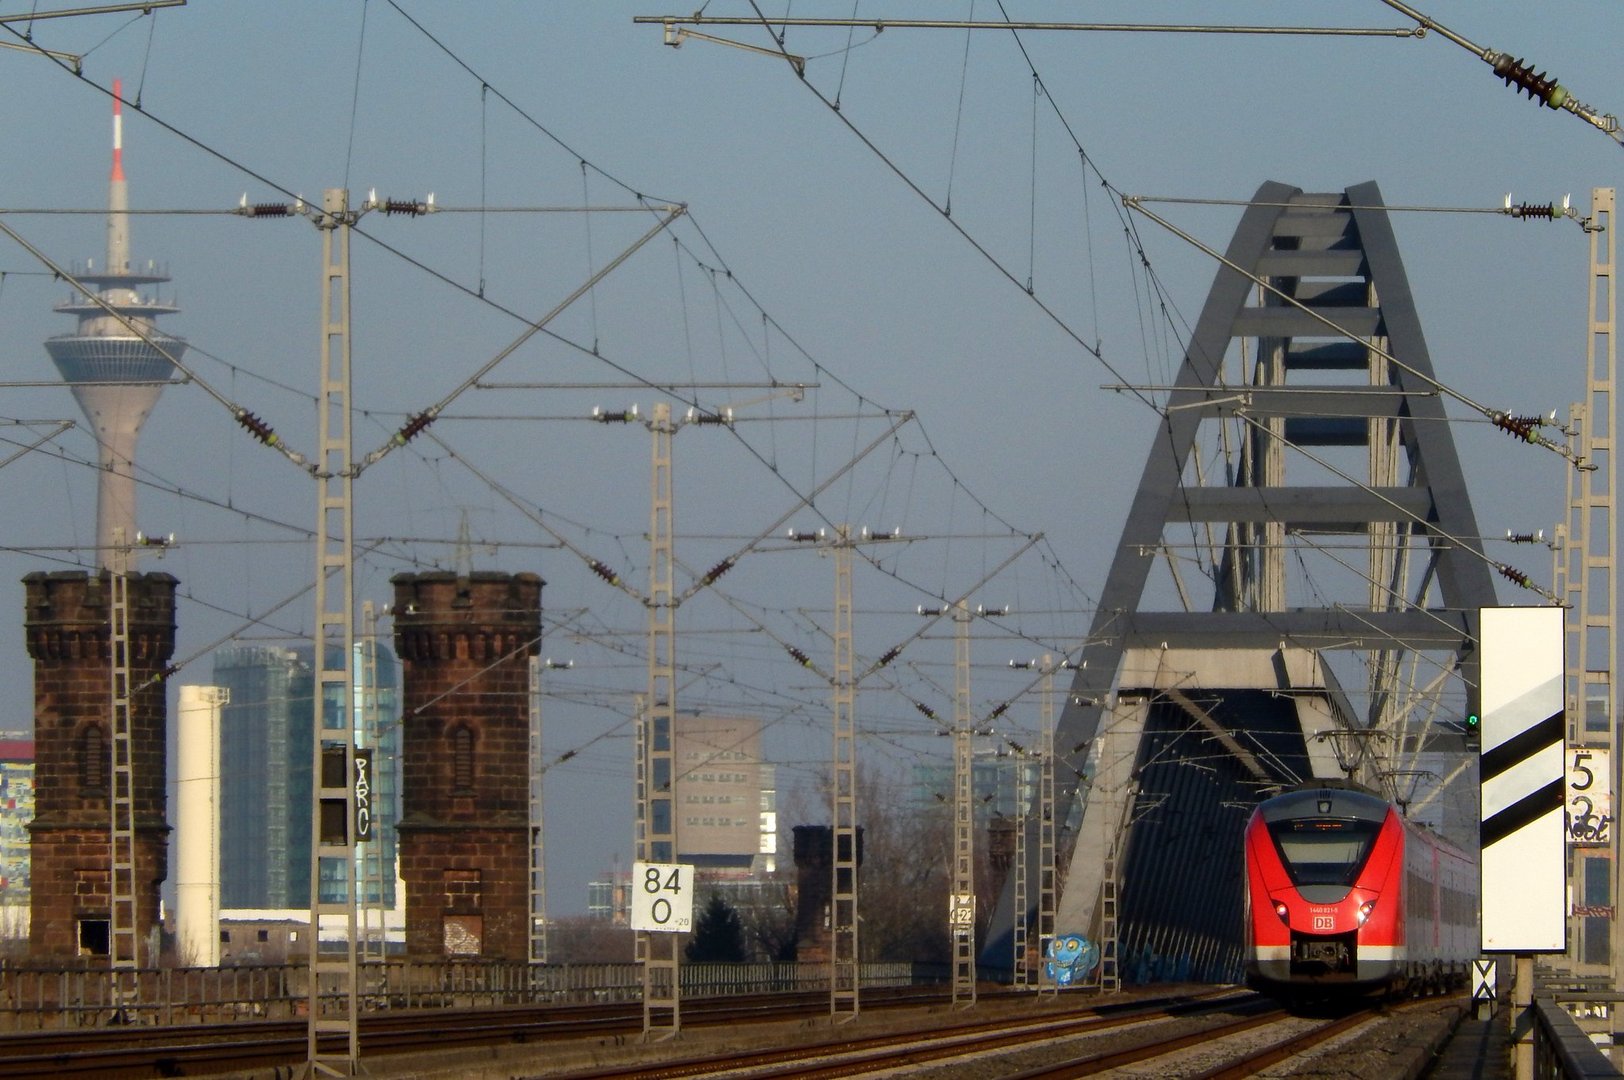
x: 1294, y: 594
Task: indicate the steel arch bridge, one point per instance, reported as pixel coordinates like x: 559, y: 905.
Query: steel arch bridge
x: 1294, y: 594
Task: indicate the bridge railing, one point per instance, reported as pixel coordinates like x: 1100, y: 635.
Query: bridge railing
x: 33, y: 999
x: 1561, y: 1049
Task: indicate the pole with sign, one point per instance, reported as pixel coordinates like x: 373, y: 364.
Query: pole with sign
x: 662, y: 897
x: 1521, y: 790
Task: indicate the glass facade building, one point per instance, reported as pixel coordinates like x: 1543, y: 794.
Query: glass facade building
x: 266, y: 732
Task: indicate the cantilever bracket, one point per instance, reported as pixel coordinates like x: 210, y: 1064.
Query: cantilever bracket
x: 675, y: 35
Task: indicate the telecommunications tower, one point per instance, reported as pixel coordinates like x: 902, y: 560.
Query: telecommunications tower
x: 117, y: 361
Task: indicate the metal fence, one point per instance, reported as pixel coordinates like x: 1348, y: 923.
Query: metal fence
x: 35, y: 999
x: 1561, y: 1049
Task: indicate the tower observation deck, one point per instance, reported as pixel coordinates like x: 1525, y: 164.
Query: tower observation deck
x: 117, y: 372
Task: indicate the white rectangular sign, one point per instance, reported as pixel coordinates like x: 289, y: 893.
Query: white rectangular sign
x: 662, y: 897
x: 1521, y: 786
x: 1590, y: 796
x: 961, y: 911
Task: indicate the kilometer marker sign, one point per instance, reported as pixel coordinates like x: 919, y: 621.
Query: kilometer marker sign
x: 662, y: 897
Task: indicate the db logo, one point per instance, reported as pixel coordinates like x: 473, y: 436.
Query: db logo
x: 1324, y: 922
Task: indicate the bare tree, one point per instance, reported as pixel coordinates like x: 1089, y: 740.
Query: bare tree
x: 584, y: 940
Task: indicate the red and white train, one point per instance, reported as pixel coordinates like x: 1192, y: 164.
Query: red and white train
x: 1343, y: 894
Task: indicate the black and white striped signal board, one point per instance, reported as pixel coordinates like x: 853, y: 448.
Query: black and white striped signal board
x: 1520, y: 777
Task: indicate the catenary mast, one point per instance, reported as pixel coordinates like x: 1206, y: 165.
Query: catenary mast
x: 116, y: 373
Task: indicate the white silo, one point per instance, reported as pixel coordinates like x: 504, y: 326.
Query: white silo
x: 197, y: 825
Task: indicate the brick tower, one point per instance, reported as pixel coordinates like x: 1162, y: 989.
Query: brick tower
x: 464, y: 643
x: 68, y: 623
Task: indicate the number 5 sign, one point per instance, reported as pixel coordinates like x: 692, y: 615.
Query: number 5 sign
x: 662, y: 899
x: 1590, y: 799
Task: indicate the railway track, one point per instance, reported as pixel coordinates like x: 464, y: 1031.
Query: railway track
x: 1231, y: 1033
x: 141, y: 1051
x: 955, y: 1042
x: 1221, y: 1036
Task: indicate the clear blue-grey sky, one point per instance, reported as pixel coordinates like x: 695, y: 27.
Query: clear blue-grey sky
x: 803, y: 258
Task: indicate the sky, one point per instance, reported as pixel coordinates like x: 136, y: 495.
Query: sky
x: 950, y: 387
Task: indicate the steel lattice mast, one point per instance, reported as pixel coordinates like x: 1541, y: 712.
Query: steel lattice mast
x: 844, y: 957
x: 1588, y: 585
x: 123, y: 946
x: 657, y: 822
x: 332, y: 989
x: 964, y: 845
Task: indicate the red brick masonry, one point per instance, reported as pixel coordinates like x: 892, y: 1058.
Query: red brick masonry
x: 464, y: 644
x: 68, y: 623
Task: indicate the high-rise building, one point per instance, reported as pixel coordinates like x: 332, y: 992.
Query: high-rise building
x: 726, y: 812
x: 266, y: 729
x: 117, y: 360
x: 999, y: 787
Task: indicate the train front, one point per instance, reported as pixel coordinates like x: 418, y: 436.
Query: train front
x: 1324, y: 891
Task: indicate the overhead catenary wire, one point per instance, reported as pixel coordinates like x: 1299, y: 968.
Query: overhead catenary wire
x: 768, y: 320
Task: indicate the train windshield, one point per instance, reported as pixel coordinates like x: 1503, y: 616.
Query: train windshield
x: 1324, y: 851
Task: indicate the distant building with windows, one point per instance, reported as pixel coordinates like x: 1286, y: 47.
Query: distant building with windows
x: 998, y: 786
x: 266, y: 732
x: 727, y: 814
x: 16, y: 811
x: 609, y: 898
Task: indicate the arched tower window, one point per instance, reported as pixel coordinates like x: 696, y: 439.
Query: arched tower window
x: 93, y: 764
x: 462, y: 760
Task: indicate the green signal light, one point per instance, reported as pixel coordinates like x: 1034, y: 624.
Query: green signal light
x: 1472, y: 721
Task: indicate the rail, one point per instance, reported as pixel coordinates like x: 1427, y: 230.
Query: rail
x: 1561, y: 1050
x: 38, y: 999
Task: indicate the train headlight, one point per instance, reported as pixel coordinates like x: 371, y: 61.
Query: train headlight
x: 1281, y: 910
x: 1365, y: 909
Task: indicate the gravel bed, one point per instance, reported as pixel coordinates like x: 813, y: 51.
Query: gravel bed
x: 1395, y: 1044
x: 996, y: 1065
x: 507, y: 1062
x: 1399, y: 1045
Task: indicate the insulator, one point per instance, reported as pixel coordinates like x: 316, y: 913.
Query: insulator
x: 1520, y: 426
x: 1000, y: 711
x: 798, y: 656
x: 604, y: 572
x: 259, y: 210
x: 1548, y: 211
x: 716, y: 571
x: 1520, y: 75
x: 256, y: 427
x: 928, y: 712
x: 403, y: 206
x: 566, y: 755
x: 413, y: 427
x: 1511, y: 573
x: 888, y: 656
